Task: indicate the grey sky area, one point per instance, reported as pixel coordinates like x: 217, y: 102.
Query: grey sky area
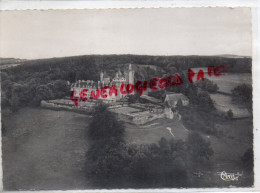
x: 171, y: 31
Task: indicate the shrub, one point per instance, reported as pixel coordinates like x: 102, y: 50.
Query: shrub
x: 242, y: 94
x: 230, y: 114
x: 248, y: 160
x: 198, y: 147
x: 208, y: 85
x: 105, y: 125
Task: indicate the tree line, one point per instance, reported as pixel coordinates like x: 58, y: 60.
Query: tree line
x: 112, y: 163
x: 36, y: 80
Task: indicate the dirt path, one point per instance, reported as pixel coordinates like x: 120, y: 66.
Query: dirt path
x: 44, y: 149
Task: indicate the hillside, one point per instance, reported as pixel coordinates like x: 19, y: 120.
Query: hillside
x: 34, y: 80
x: 5, y: 61
x: 78, y: 65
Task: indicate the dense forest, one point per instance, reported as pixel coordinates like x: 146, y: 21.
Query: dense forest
x: 44, y: 79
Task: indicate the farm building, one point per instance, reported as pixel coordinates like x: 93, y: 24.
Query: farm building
x: 172, y: 99
x: 169, y: 113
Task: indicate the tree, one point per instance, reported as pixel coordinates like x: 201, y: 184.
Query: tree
x: 42, y: 93
x: 60, y: 88
x: 242, y: 94
x: 4, y: 100
x: 230, y: 114
x: 162, y: 165
x: 107, y: 158
x: 71, y: 76
x: 107, y: 164
x: 23, y: 91
x: 105, y: 125
x: 15, y: 103
x: 204, y: 101
x: 198, y: 147
x: 207, y: 85
x: 133, y: 98
x: 3, y: 129
x: 248, y: 160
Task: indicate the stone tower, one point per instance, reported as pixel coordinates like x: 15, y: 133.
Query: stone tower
x: 101, y: 76
x: 131, y: 75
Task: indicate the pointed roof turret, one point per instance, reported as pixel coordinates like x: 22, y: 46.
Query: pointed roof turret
x: 119, y: 72
x: 130, y: 66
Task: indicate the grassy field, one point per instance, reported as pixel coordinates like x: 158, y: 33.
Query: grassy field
x: 224, y: 103
x: 154, y: 131
x: 226, y: 84
x: 231, y: 80
x: 228, y: 150
x: 228, y: 81
x: 45, y: 149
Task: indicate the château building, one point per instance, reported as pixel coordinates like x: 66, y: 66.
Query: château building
x: 94, y: 87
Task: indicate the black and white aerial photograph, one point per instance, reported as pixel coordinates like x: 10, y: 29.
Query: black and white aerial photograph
x: 126, y: 99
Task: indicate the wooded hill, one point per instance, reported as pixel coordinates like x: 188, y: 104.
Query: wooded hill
x: 44, y: 79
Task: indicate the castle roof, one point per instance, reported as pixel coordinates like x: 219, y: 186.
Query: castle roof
x: 119, y: 73
x: 106, y: 75
x: 89, y: 83
x: 119, y: 77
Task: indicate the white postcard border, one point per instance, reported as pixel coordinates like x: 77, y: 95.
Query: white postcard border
x: 254, y: 4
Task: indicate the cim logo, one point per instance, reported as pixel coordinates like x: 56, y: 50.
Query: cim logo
x: 229, y: 176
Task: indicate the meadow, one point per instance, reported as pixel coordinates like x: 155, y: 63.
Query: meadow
x: 231, y: 80
x: 224, y: 103
x: 228, y: 81
x: 45, y: 149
